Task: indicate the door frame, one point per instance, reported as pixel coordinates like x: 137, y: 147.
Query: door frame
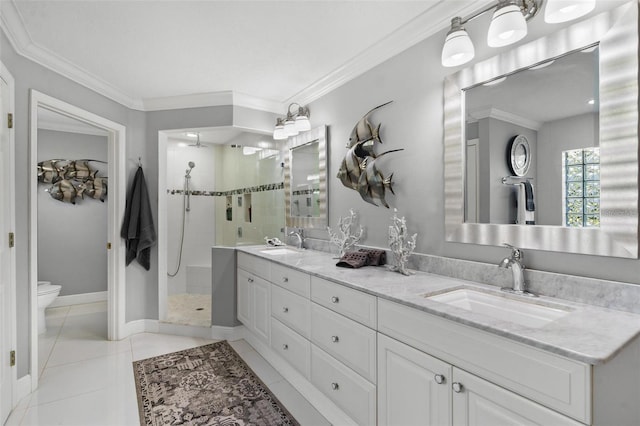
x: 117, y: 193
x: 11, y: 316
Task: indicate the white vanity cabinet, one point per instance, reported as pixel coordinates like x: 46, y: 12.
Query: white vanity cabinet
x: 511, y: 383
x: 254, y: 295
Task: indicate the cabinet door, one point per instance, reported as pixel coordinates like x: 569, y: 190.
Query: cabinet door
x: 477, y: 402
x: 261, y: 309
x: 413, y: 387
x: 244, y: 281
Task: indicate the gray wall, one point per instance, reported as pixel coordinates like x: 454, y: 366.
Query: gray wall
x: 29, y: 75
x: 557, y: 136
x: 72, y: 239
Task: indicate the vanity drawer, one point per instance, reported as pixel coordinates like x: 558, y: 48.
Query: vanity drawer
x: 350, y: 342
x: 291, y: 346
x: 352, y: 393
x: 551, y: 380
x: 291, y: 309
x: 254, y: 264
x: 295, y: 281
x: 351, y: 303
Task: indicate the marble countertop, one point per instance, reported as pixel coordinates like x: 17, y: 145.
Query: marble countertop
x: 587, y: 333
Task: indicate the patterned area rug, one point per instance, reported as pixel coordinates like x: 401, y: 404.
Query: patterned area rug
x: 207, y: 385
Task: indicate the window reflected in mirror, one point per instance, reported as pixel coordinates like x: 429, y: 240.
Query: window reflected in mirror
x: 550, y: 108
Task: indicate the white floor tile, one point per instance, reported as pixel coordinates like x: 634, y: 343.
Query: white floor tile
x: 87, y: 380
x: 82, y: 377
x: 147, y: 345
x: 104, y: 407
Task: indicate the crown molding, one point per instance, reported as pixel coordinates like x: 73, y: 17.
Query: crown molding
x: 489, y: 112
x: 13, y: 26
x: 212, y: 99
x: 436, y: 18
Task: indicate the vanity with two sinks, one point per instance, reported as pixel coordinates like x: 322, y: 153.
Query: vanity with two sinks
x: 388, y: 349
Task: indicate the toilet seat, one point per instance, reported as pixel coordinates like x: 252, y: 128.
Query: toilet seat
x: 48, y: 288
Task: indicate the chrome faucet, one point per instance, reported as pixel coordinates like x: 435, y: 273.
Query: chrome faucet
x: 514, y: 261
x: 299, y: 233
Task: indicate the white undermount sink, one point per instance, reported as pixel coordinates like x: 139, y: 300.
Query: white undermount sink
x: 523, y: 312
x: 279, y: 251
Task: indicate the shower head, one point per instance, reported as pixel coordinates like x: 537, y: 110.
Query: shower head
x: 191, y: 166
x: 198, y: 144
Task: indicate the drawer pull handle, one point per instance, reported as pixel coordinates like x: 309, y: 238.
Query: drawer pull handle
x: 334, y: 339
x: 335, y: 386
x: 335, y: 299
x: 285, y: 347
x: 439, y: 378
x: 285, y: 309
x: 250, y: 280
x: 457, y: 387
x: 285, y: 279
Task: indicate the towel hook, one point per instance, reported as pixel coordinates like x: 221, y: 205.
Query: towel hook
x: 139, y: 161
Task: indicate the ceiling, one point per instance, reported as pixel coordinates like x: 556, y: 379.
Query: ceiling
x: 155, y: 54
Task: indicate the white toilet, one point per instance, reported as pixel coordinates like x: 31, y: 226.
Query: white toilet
x: 47, y: 293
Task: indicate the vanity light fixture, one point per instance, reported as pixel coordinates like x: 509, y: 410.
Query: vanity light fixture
x: 293, y: 123
x: 558, y: 11
x: 508, y: 25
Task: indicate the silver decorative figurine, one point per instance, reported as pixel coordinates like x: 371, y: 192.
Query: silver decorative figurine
x: 346, y: 237
x: 400, y: 243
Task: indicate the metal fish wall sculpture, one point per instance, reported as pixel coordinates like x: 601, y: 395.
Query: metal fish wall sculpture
x: 358, y: 170
x: 72, y: 179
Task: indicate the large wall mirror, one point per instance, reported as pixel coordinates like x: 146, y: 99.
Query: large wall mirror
x: 541, y: 142
x: 305, y: 179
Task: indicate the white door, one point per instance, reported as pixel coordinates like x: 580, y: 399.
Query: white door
x: 413, y: 387
x: 477, y: 402
x: 7, y: 311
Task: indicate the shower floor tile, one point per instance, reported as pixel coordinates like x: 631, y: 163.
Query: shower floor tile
x: 189, y: 309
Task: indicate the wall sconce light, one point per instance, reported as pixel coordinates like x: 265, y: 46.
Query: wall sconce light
x: 508, y: 25
x: 293, y: 123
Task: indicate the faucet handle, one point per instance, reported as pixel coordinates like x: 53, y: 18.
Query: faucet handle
x: 516, y: 253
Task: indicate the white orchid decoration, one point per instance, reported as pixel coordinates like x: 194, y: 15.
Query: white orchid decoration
x: 400, y: 243
x: 346, y: 236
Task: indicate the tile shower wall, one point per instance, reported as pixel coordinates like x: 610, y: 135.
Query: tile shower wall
x: 199, y: 229
x: 251, y: 184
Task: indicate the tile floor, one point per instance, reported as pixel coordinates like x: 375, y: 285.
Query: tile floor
x: 86, y: 380
x: 189, y: 309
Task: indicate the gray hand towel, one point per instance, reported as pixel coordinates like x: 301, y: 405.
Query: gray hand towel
x: 137, y: 227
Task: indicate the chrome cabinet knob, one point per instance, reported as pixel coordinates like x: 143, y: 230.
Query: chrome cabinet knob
x: 250, y: 280
x: 285, y: 279
x: 285, y: 309
x: 335, y: 386
x: 439, y: 378
x: 457, y: 387
x: 335, y: 299
x: 285, y: 346
x: 334, y: 339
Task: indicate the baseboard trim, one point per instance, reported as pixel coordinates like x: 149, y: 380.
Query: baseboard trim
x: 324, y: 405
x: 79, y: 299
x: 154, y: 326
x: 22, y: 389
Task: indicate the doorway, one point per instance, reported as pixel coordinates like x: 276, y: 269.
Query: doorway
x: 43, y: 105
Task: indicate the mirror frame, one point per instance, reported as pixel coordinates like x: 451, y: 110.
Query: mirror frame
x: 318, y: 134
x: 617, y: 32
